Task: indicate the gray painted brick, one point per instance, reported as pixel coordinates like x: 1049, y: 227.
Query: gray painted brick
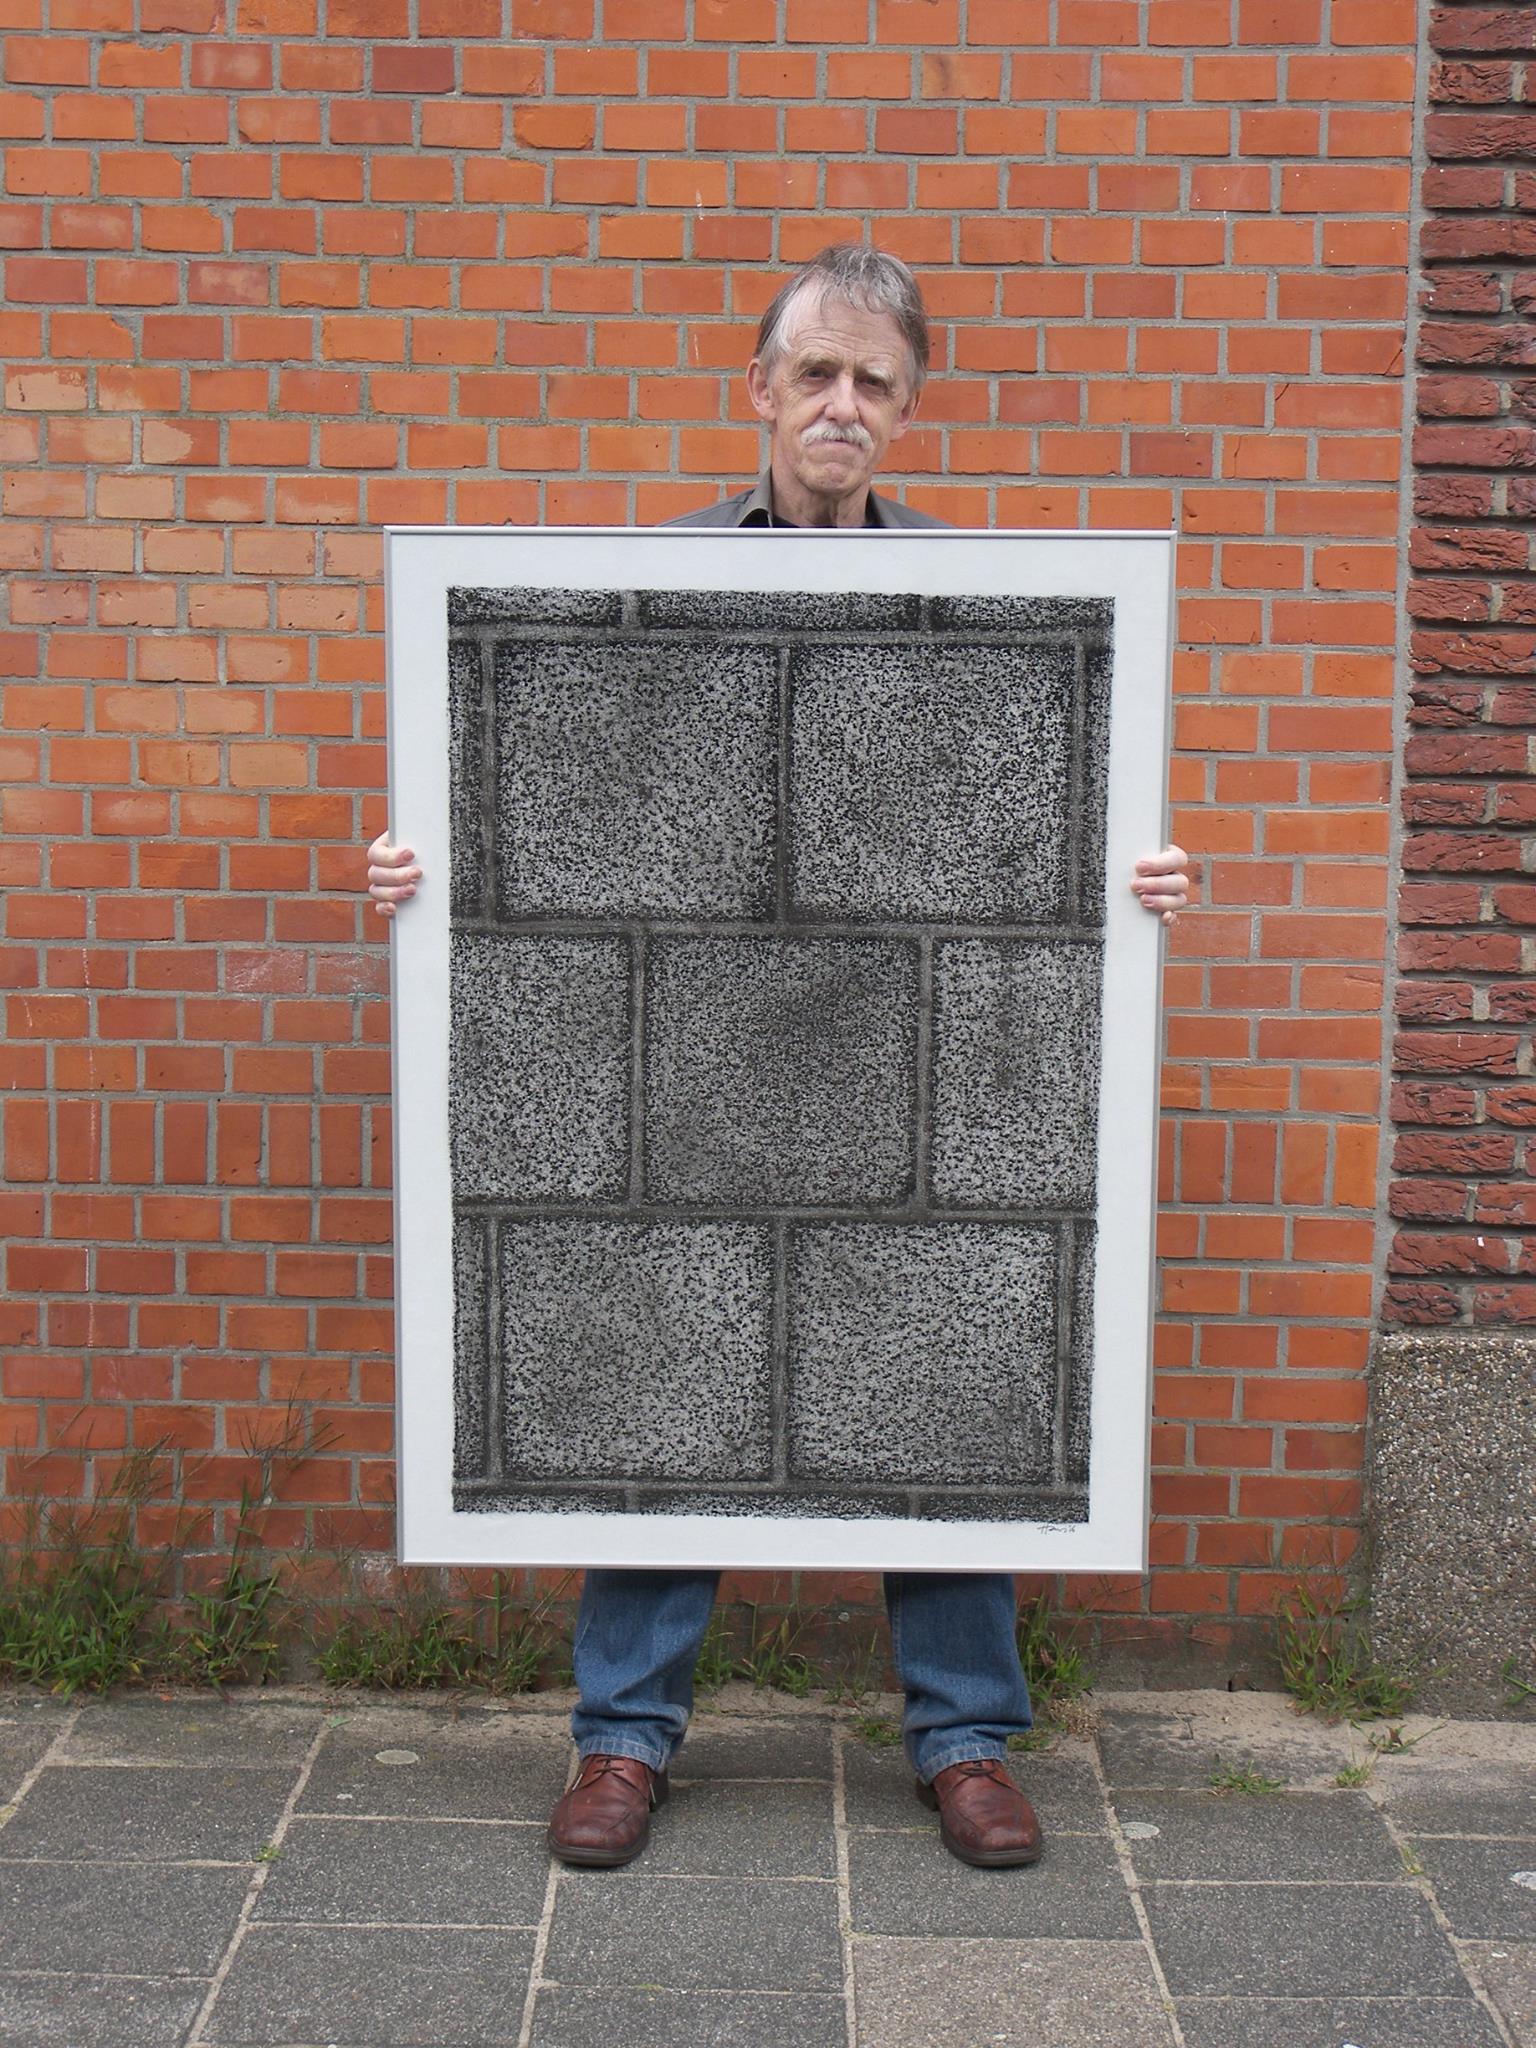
x: 781, y: 1070
x: 931, y: 782
x: 947, y: 1331
x: 539, y: 1067
x: 636, y: 779
x: 1016, y: 1074
x: 535, y: 607
x: 636, y: 1349
x: 766, y: 611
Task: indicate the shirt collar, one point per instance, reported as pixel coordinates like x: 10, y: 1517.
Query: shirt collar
x: 758, y: 510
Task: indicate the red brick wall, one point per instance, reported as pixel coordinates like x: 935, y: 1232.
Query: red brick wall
x: 1464, y: 1198
x: 489, y: 260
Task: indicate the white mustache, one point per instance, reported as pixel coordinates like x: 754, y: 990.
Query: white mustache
x: 828, y: 430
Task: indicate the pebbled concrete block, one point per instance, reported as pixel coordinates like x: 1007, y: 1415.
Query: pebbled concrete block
x: 567, y: 2017
x: 1007, y: 1994
x: 479, y: 1767
x: 92, y: 1917
x: 636, y: 778
x: 1266, y: 1940
x: 444, y: 1872
x: 910, y: 1884
x: 97, y: 2012
x: 947, y: 1332
x: 1286, y: 2022
x: 1452, y: 1537
x: 931, y: 782
x: 781, y: 1070
x: 1016, y: 1074
x: 695, y: 1933
x: 223, y: 1813
x: 636, y: 1350
x: 539, y: 1067
x: 458, y: 1985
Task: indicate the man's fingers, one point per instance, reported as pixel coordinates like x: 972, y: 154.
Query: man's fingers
x: 1163, y: 862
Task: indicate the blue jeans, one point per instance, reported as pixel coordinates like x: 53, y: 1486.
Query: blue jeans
x: 638, y: 1635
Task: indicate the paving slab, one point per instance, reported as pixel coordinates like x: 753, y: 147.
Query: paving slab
x: 1508, y: 1973
x: 38, y: 2011
x: 685, y: 1933
x: 565, y: 2017
x: 1487, y: 1890
x: 374, y: 1987
x: 383, y: 1760
x: 1007, y: 1994
x: 910, y: 1884
x: 1185, y: 1738
x: 95, y: 1918
x: 1247, y: 1835
x: 192, y: 1729
x: 1061, y: 1784
x: 155, y: 1815
x: 1263, y: 1940
x: 1336, y: 2023
x: 1465, y: 1808
x: 447, y: 1873
x: 27, y: 1726
x: 717, y: 1747
x: 729, y: 1829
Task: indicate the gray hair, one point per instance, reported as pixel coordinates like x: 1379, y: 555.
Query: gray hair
x: 859, y: 276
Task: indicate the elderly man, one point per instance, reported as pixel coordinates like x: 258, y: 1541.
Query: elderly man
x: 838, y: 370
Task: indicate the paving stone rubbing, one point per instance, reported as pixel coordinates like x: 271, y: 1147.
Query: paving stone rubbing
x: 776, y: 963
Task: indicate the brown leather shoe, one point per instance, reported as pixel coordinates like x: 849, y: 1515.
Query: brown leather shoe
x: 983, y: 1816
x: 605, y: 1818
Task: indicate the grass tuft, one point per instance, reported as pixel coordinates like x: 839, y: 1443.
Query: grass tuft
x: 1327, y: 1664
x: 1052, y: 1663
x: 1242, y: 1778
x: 426, y: 1642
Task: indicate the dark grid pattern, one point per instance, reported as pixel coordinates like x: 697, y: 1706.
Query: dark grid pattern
x: 777, y: 955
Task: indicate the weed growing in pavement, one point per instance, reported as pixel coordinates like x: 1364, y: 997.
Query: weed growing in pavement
x: 1326, y: 1662
x: 772, y: 1663
x: 716, y: 1662
x: 1033, y: 1739
x: 769, y: 1661
x: 76, y: 1594
x: 1354, y: 1774
x: 877, y: 1731
x: 1242, y: 1778
x: 1052, y: 1663
x: 859, y: 1676
x: 1520, y: 1693
x: 1391, y: 1741
x: 422, y: 1640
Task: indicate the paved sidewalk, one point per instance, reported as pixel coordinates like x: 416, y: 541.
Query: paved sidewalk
x: 296, y: 1870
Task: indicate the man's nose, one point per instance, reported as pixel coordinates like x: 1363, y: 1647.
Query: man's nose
x: 840, y: 398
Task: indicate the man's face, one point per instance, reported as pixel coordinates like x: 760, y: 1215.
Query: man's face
x: 837, y: 395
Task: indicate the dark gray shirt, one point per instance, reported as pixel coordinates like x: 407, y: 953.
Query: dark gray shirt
x: 755, y: 508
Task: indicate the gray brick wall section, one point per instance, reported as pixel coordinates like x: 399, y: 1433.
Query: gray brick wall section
x: 776, y: 969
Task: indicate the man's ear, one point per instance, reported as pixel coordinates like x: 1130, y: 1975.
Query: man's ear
x: 906, y: 416
x: 760, y: 391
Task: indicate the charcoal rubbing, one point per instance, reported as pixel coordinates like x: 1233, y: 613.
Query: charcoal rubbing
x: 777, y: 959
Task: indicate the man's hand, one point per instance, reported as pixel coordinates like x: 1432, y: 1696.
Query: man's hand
x: 1161, y: 882
x: 391, y: 877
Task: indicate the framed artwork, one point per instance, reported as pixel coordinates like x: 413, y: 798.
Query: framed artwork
x: 776, y: 1045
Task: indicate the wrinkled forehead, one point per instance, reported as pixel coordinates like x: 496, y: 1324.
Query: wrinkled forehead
x: 823, y: 319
